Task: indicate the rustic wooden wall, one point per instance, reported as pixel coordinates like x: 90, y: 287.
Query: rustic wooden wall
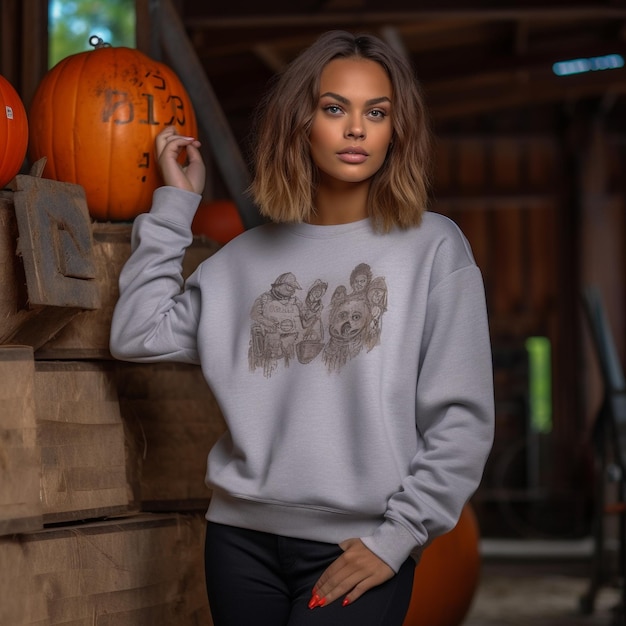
x: 544, y: 216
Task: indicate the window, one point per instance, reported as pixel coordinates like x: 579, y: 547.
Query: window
x: 73, y: 22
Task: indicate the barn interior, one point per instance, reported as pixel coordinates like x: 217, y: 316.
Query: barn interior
x: 528, y: 109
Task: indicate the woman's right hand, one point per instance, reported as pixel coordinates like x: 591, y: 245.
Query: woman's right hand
x: 169, y: 145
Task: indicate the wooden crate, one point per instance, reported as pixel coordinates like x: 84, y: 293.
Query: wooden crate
x: 81, y: 437
x: 20, y: 465
x: 172, y: 420
x: 139, y: 571
x: 86, y: 336
x: 47, y: 269
x: 61, y: 328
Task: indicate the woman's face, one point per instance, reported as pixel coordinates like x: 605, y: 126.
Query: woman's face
x: 351, y: 129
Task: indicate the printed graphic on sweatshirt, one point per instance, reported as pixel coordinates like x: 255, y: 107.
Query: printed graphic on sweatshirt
x: 290, y: 322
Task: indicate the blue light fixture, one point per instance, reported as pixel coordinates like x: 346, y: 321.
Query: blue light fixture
x: 591, y: 64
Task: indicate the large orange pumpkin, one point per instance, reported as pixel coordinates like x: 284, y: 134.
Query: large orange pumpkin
x: 95, y: 116
x: 13, y: 132
x: 447, y: 576
x: 218, y: 220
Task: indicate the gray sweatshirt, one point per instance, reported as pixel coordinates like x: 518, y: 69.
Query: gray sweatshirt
x: 353, y: 370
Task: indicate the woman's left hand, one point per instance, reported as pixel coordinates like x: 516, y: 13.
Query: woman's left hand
x: 356, y: 571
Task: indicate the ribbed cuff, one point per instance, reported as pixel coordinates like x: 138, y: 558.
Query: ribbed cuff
x: 391, y: 542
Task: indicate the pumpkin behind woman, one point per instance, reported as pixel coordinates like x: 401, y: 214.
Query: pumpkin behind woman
x: 218, y: 220
x: 95, y: 116
x: 447, y: 576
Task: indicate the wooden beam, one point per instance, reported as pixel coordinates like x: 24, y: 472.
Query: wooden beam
x: 211, y: 118
x: 393, y: 37
x: 270, y: 57
x: 591, y: 12
x: 473, y: 73
x: 508, y: 94
x: 147, y: 28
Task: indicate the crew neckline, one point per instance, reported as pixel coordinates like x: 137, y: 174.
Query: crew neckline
x: 305, y: 229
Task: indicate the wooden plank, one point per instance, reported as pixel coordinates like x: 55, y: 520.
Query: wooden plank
x: 87, y: 335
x: 475, y: 226
x: 81, y: 437
x: 12, y: 278
x: 55, y: 243
x: 172, y: 421
x: 543, y: 257
x: 223, y: 18
x: 46, y: 260
x: 542, y: 163
x: 40, y: 323
x: 509, y: 273
x: 505, y: 164
x: 471, y: 155
x: 144, y: 571
x: 20, y: 505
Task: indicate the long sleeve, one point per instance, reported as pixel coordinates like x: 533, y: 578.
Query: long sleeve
x: 155, y: 318
x: 454, y: 418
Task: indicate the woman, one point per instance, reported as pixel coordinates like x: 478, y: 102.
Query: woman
x: 336, y: 471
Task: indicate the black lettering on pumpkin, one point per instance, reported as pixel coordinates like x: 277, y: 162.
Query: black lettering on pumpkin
x: 178, y: 109
x: 160, y: 85
x: 117, y: 106
x: 150, y: 110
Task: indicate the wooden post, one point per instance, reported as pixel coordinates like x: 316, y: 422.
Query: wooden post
x: 34, y: 43
x: 147, y: 28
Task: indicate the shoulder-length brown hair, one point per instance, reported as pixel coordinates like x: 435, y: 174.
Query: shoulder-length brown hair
x: 285, y: 177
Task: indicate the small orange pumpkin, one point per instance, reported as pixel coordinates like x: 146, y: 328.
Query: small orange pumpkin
x: 218, y: 220
x: 95, y: 116
x: 13, y: 132
x: 447, y: 576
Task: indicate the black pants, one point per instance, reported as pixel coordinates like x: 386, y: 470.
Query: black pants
x: 260, y: 579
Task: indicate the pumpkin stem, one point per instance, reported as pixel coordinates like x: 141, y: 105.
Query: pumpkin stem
x: 98, y: 42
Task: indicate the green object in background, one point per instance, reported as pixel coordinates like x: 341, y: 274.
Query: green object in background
x: 540, y: 384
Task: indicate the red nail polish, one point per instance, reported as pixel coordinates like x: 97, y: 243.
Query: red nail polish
x: 314, y: 601
x: 322, y: 602
x: 345, y: 602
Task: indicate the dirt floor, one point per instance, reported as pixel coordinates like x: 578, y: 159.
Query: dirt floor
x: 529, y: 589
